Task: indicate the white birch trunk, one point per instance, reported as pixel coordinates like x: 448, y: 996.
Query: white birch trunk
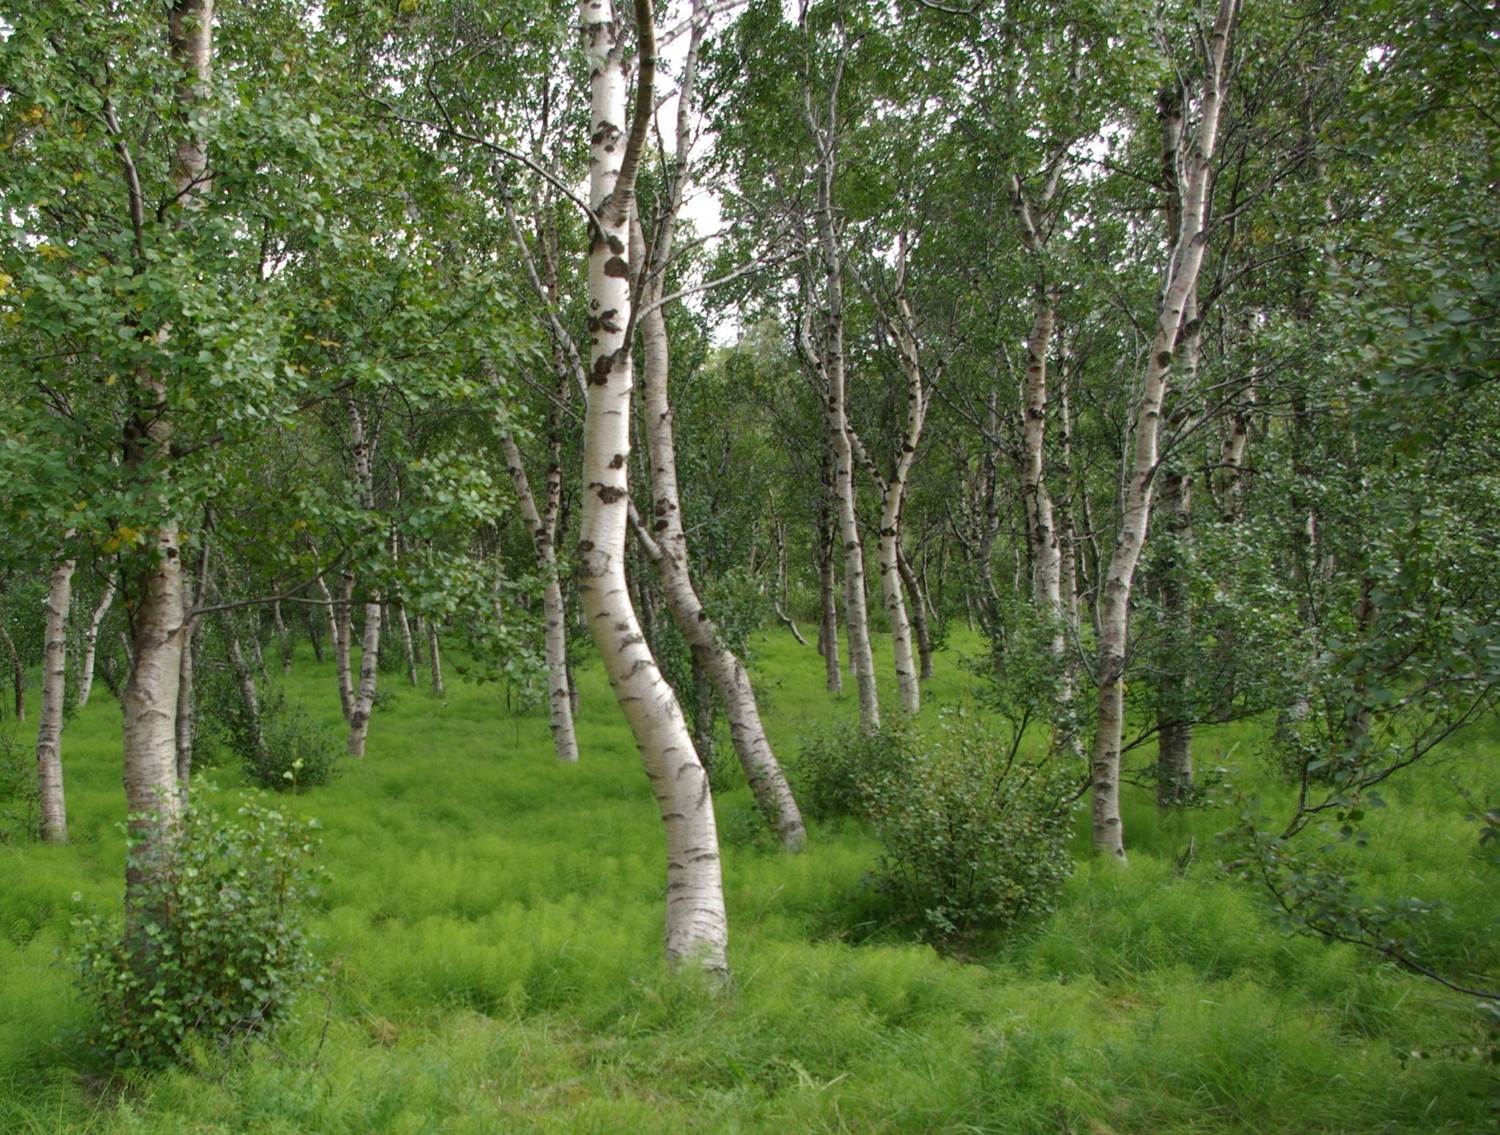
x: 1189, y: 244
x: 668, y: 547
x: 697, y: 928
x: 150, y: 697
x: 91, y: 643
x: 369, y: 648
x: 435, y: 659
x: 554, y: 613
x: 50, y: 714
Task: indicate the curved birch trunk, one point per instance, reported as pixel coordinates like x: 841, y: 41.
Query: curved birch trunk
x: 50, y: 715
x: 669, y: 552
x: 668, y: 547
x: 91, y: 644
x: 697, y: 928
x: 918, y: 612
x: 893, y: 497
x: 1189, y: 244
x: 554, y: 613
x: 830, y: 364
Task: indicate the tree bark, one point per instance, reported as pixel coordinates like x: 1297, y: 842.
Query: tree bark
x: 156, y: 588
x: 828, y: 625
x: 554, y: 614
x: 918, y: 613
x: 435, y: 659
x: 50, y: 713
x: 91, y: 643
x: 697, y: 927
x: 1189, y: 243
x: 828, y: 360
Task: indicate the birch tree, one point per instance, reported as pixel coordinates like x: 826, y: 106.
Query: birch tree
x: 697, y: 929
x: 666, y: 544
x: 1188, y: 244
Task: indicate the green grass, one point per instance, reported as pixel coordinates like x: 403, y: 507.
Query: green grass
x: 493, y: 935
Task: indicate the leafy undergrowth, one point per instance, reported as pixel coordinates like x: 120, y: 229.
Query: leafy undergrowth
x: 493, y: 935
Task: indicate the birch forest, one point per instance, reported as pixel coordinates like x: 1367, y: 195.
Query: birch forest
x: 749, y: 565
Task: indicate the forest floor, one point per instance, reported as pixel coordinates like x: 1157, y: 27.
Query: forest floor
x: 492, y: 933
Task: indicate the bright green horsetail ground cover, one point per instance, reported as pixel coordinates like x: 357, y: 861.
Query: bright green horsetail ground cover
x: 492, y: 935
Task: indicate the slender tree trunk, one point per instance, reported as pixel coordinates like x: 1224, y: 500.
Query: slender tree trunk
x: 669, y: 552
x: 828, y: 626
x: 893, y: 495
x: 918, y: 613
x: 249, y: 695
x: 314, y: 635
x: 554, y: 614
x: 91, y: 644
x: 1189, y: 243
x: 435, y: 659
x: 50, y: 715
x: 341, y: 631
x: 408, y: 650
x: 829, y: 359
x: 363, y: 448
x: 186, y: 725
x: 697, y: 926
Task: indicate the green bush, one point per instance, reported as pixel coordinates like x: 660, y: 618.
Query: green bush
x: 974, y: 839
x: 839, y: 767
x: 295, y: 752
x: 289, y: 751
x: 218, y: 950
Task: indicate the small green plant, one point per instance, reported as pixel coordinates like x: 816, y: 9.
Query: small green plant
x: 840, y: 767
x: 974, y: 838
x: 215, y: 949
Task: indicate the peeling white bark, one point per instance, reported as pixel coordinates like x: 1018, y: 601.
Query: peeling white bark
x: 50, y: 715
x: 91, y: 643
x: 697, y: 928
x: 1188, y: 246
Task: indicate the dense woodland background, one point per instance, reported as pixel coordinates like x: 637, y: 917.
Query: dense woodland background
x: 1020, y: 479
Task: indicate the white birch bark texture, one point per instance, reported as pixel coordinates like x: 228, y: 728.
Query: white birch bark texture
x: 668, y: 548
x: 50, y: 713
x: 1188, y: 246
x: 554, y: 613
x: 697, y: 927
x: 91, y: 643
x: 369, y: 648
x: 828, y: 361
x: 150, y: 697
x: 435, y: 659
x: 901, y: 326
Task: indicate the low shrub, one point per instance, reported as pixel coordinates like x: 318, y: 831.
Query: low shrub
x: 216, y: 951
x: 974, y: 839
x: 295, y: 751
x: 839, y: 767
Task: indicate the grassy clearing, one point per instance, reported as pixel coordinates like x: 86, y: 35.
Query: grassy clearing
x: 493, y: 934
